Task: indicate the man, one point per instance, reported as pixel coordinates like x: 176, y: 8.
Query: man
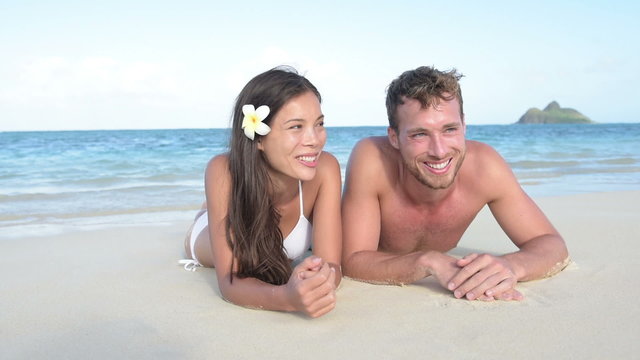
x: 410, y: 196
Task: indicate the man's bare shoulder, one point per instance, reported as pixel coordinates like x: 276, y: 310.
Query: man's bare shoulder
x: 376, y: 150
x: 372, y: 165
x: 482, y: 157
x: 487, y: 171
x: 372, y: 142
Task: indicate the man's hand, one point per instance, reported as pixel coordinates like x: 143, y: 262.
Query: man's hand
x: 444, y: 267
x: 484, y: 277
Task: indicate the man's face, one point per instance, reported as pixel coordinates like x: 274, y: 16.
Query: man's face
x: 431, y: 141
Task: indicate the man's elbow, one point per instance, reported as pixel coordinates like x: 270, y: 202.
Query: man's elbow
x: 347, y: 264
x: 350, y: 264
x: 561, y: 251
x: 561, y: 258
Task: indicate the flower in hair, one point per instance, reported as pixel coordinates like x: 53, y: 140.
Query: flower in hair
x: 252, y: 122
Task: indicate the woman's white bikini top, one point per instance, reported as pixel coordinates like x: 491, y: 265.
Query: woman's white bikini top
x: 295, y: 244
x: 299, y: 240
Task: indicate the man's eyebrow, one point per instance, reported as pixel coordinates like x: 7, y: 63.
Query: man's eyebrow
x: 451, y: 124
x: 417, y: 129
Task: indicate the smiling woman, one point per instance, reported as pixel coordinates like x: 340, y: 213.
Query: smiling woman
x: 274, y: 180
x: 300, y: 122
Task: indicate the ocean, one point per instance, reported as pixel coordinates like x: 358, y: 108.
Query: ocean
x: 59, y: 179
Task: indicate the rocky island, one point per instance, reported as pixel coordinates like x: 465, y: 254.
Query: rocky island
x: 553, y: 114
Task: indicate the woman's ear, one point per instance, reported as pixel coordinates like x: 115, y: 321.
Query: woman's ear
x: 260, y: 147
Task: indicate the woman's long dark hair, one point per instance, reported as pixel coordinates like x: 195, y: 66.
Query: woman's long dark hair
x: 252, y: 223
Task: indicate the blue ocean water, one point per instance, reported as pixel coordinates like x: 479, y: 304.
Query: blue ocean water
x: 103, y: 177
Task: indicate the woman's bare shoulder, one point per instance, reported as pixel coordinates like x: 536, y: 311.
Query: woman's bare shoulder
x: 328, y: 162
x: 217, y: 170
x: 219, y: 161
x: 327, y: 170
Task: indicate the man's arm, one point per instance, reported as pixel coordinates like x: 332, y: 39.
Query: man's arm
x: 541, y: 248
x: 365, y: 176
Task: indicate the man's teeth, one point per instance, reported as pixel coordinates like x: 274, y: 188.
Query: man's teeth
x: 307, y: 158
x: 438, y: 166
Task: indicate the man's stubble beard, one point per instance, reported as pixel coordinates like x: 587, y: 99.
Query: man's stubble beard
x: 412, y: 167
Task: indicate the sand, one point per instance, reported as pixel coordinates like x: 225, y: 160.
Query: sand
x: 118, y: 293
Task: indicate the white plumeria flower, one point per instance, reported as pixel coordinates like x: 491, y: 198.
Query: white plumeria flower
x: 252, y: 122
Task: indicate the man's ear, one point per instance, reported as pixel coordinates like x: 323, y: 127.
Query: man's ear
x: 393, y: 137
x: 464, y: 125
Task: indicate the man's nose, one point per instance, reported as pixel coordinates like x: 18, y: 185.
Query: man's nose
x: 437, y: 147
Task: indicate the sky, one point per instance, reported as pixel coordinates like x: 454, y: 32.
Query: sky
x: 80, y: 65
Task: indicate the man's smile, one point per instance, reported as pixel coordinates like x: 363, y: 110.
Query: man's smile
x: 439, y: 167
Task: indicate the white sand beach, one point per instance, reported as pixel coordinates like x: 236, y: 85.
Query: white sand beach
x: 118, y: 293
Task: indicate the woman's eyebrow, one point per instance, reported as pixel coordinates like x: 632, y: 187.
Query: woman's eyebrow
x: 298, y: 119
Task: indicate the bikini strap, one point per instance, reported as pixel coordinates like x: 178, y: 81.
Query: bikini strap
x: 300, y: 196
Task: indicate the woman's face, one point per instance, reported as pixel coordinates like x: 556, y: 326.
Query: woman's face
x: 297, y: 137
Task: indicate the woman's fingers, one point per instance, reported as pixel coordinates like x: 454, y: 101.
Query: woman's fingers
x: 327, y: 300
x: 309, y: 263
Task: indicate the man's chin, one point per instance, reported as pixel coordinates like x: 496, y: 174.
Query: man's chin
x: 438, y: 186
x: 435, y: 184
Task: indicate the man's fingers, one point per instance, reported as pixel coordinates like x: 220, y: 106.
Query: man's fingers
x: 490, y: 285
x: 504, y: 286
x: 511, y: 295
x: 468, y: 271
x: 467, y: 260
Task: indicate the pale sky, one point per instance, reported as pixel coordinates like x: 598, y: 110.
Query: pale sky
x: 152, y: 64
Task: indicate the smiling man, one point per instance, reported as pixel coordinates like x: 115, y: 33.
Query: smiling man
x: 410, y: 196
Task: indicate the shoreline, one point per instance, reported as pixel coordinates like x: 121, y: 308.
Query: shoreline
x: 118, y: 292
x: 128, y: 219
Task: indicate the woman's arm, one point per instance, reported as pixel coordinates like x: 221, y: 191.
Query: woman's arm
x: 327, y: 222
x: 313, y: 296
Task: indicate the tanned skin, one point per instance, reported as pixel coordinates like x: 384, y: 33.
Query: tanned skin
x: 410, y: 196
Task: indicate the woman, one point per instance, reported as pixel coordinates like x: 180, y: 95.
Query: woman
x: 260, y: 195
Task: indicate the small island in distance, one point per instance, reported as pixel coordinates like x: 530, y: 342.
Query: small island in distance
x: 554, y: 114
